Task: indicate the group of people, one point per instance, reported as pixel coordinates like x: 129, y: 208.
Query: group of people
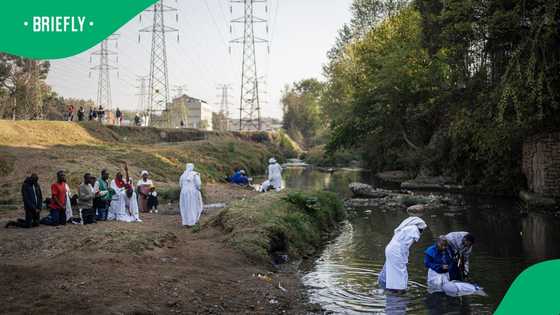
x: 447, y: 260
x: 273, y: 181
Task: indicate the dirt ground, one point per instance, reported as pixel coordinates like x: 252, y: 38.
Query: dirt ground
x: 153, y: 267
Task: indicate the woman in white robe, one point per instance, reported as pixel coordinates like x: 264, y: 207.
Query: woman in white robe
x: 190, y: 200
x: 394, y: 275
x: 123, y: 208
x: 275, y: 174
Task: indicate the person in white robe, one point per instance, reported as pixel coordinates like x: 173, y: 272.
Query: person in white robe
x: 124, y: 204
x: 275, y: 174
x: 394, y: 275
x: 190, y: 200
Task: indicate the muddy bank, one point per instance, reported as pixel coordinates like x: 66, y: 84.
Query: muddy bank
x: 155, y: 267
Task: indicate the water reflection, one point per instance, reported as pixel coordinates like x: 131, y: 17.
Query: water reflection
x: 344, y: 278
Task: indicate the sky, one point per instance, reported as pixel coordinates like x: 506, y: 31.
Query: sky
x: 300, y: 33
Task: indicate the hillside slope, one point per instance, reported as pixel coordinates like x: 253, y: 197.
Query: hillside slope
x: 45, y: 147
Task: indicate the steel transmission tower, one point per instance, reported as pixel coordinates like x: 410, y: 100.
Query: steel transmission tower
x: 158, y: 82
x: 224, y: 104
x: 104, y: 68
x: 250, y: 105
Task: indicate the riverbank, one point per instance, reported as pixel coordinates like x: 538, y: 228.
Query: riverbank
x: 158, y: 267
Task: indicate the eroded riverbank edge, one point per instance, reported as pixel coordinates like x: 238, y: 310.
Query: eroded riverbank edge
x: 155, y: 267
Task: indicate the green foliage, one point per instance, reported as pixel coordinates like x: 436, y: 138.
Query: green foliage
x: 302, y: 113
x: 445, y: 87
x: 288, y: 222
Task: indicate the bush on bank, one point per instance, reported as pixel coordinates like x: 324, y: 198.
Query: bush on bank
x: 291, y: 223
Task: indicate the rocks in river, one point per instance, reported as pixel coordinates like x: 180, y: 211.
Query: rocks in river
x: 394, y: 176
x: 431, y: 183
x: 416, y: 209
x: 360, y: 190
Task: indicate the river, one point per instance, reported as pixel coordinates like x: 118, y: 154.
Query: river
x: 343, y: 280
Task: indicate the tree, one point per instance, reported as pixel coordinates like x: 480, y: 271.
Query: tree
x: 302, y: 113
x: 22, y: 81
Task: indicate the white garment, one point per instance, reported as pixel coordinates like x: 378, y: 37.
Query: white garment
x: 265, y: 186
x: 190, y: 200
x: 457, y: 288
x: 275, y: 175
x: 141, y: 182
x: 394, y: 275
x: 436, y: 281
x: 123, y: 208
x: 69, y: 213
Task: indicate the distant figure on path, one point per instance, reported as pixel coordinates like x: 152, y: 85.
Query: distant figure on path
x: 394, y: 275
x: 437, y: 260
x: 81, y: 114
x: 190, y: 200
x: 32, y: 203
x: 460, y: 249
x: 71, y: 113
x: 118, y: 114
x: 137, y: 120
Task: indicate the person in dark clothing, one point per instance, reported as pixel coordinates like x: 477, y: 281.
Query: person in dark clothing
x: 119, y: 115
x: 81, y: 114
x: 32, y: 203
x: 153, y: 200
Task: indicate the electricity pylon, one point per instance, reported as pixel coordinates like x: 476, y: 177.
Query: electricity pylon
x: 158, y: 86
x: 250, y: 105
x: 224, y: 104
x: 104, y: 68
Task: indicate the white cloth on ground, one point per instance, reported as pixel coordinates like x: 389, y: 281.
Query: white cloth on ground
x: 265, y: 186
x: 275, y: 175
x: 394, y: 275
x: 190, y: 200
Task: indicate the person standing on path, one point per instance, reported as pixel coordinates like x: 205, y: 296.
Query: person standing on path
x: 394, y: 275
x: 190, y: 200
x: 275, y: 174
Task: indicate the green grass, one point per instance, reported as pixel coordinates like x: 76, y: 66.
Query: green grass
x: 291, y: 223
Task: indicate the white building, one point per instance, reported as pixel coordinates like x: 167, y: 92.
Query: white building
x: 199, y: 114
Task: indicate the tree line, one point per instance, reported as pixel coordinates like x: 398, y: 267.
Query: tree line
x: 24, y: 94
x: 437, y: 87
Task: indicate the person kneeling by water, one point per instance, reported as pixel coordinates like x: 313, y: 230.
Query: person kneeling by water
x: 239, y: 178
x: 460, y: 248
x: 437, y: 260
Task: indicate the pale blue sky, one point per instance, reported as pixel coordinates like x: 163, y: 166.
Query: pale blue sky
x: 301, y: 32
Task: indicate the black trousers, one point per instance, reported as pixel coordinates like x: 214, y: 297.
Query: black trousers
x: 31, y: 219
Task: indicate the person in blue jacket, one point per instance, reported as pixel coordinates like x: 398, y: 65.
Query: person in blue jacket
x: 438, y: 261
x: 239, y: 178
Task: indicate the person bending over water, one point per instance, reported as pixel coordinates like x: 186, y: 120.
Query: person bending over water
x: 460, y: 248
x: 394, y: 275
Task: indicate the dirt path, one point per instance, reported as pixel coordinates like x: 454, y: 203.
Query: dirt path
x: 154, y: 267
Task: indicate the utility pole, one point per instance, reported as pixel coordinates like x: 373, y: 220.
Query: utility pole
x: 142, y: 94
x: 104, y: 67
x: 158, y: 86
x: 250, y: 105
x: 224, y: 104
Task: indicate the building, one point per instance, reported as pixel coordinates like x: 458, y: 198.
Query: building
x: 198, y: 113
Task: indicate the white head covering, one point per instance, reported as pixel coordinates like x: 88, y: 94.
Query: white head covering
x: 272, y: 160
x: 189, y: 172
x: 420, y: 224
x: 144, y: 172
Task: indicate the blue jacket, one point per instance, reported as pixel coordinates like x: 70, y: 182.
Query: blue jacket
x: 434, y: 259
x: 239, y: 179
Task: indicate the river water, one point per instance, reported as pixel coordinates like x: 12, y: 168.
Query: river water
x: 343, y: 280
